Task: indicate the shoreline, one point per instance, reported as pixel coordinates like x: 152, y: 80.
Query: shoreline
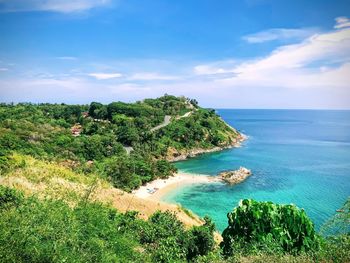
x: 195, y: 152
x: 158, y: 188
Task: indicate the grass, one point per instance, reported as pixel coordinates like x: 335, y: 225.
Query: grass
x: 49, y: 179
x: 186, y: 211
x: 51, y: 231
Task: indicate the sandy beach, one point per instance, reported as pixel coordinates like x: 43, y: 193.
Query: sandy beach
x: 158, y: 188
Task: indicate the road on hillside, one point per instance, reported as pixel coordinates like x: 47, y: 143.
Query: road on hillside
x: 163, y: 124
x: 166, y: 122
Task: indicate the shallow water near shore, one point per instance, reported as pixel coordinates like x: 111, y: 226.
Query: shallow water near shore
x: 296, y: 156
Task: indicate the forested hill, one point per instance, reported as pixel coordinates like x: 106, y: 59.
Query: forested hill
x: 128, y: 143
x: 60, y: 164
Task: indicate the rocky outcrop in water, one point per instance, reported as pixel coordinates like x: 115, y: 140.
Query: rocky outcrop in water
x: 235, y: 176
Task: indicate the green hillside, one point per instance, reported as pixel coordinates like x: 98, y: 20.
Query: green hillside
x: 97, y: 137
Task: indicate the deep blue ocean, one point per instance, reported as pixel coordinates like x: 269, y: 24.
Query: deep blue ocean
x: 296, y: 156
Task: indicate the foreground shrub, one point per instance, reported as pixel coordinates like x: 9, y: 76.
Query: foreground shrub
x: 169, y: 241
x: 201, y: 240
x: 335, y: 249
x: 271, y: 227
x: 33, y: 230
x: 51, y: 231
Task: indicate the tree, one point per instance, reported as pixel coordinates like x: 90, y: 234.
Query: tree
x: 121, y: 172
x: 201, y: 239
x: 94, y: 107
x: 262, y: 224
x: 127, y: 135
x: 194, y: 102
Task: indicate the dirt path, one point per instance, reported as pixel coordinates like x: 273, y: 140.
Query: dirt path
x: 163, y: 124
x: 167, y: 121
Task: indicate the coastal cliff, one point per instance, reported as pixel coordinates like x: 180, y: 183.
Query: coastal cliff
x: 174, y: 155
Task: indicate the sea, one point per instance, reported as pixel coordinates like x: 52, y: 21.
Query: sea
x: 299, y: 157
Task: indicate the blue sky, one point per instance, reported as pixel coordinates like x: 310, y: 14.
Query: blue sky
x: 227, y: 54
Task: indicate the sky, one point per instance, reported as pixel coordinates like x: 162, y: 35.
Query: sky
x: 226, y: 54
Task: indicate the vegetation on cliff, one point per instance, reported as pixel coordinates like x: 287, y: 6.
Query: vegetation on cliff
x: 94, y: 138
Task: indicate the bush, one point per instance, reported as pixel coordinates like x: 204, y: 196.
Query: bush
x: 201, y: 240
x: 4, y: 163
x: 169, y: 241
x: 162, y: 225
x: 335, y: 249
x: 9, y: 197
x: 269, y: 226
x: 51, y: 231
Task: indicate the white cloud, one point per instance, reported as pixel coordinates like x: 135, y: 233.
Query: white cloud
x: 300, y: 59
x: 316, y: 72
x: 333, y: 47
x: 279, y: 34
x: 209, y: 70
x: 42, y: 89
x: 62, y: 6
x: 215, y: 68
x: 322, y: 59
x: 4, y: 69
x: 103, y: 76
x: 342, y: 22
x: 151, y: 76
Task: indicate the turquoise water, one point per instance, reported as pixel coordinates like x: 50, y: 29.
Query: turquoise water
x: 296, y: 156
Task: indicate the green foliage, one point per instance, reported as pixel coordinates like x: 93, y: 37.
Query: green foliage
x: 212, y: 257
x: 120, y: 171
x: 4, y: 163
x: 171, y: 105
x: 201, y: 239
x: 44, y: 132
x: 335, y: 249
x: 50, y: 231
x: 9, y: 163
x: 98, y: 110
x: 268, y: 226
x: 168, y: 240
x: 131, y: 171
x: 33, y: 230
x: 203, y: 129
x: 134, y: 110
x: 9, y: 198
x: 162, y: 225
x: 127, y: 134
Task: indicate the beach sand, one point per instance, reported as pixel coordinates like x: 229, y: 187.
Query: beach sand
x: 156, y: 189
